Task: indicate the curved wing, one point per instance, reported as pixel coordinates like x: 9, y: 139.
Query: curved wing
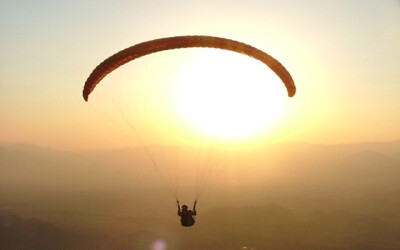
x: 178, y: 42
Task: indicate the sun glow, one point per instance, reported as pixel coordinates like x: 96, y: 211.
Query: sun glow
x: 229, y: 95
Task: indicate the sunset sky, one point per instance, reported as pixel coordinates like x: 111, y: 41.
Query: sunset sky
x: 343, y: 57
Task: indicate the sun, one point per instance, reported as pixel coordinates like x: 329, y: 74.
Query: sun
x: 228, y: 94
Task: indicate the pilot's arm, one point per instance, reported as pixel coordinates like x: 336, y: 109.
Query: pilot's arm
x: 179, y: 208
x: 194, y: 208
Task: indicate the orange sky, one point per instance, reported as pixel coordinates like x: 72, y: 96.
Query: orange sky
x: 343, y: 57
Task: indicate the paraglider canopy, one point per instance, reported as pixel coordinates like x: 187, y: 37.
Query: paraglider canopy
x: 157, y: 45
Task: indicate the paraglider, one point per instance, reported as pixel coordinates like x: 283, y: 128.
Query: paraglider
x: 157, y: 45
x: 187, y: 216
x: 146, y: 48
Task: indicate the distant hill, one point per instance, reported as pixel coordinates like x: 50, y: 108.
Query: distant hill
x: 364, y: 165
x: 19, y: 233
x: 26, y: 165
x: 275, y: 227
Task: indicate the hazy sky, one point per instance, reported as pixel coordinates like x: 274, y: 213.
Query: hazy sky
x: 343, y: 56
